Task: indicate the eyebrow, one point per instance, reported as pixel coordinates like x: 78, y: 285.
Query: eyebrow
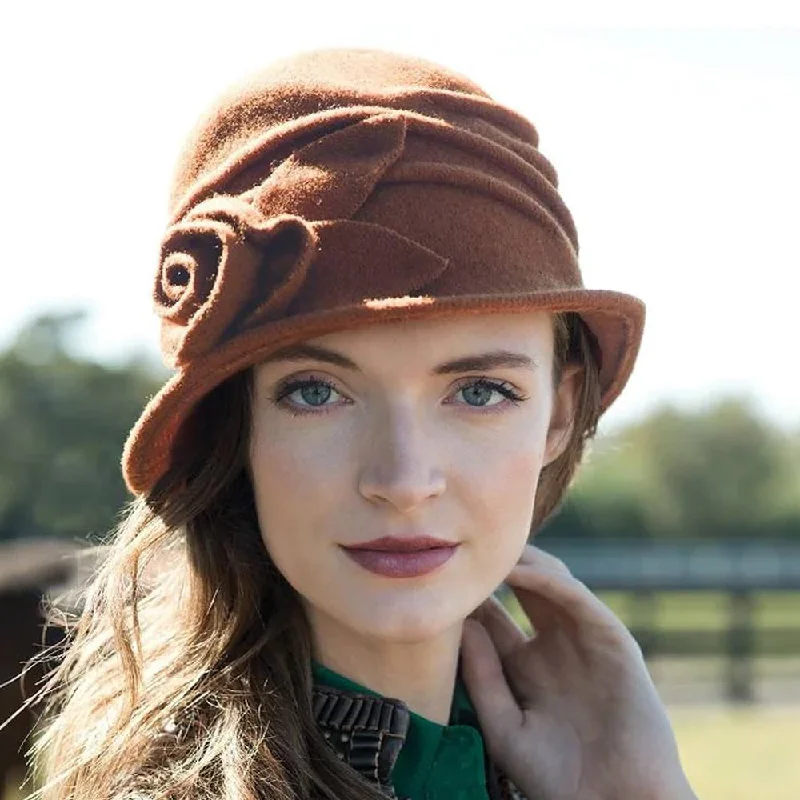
x: 493, y: 359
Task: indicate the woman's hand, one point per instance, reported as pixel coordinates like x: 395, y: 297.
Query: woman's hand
x: 571, y: 713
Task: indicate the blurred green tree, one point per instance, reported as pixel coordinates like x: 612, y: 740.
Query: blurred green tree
x: 717, y: 472
x: 63, y: 422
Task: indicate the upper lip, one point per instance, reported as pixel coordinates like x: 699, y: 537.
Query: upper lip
x: 397, y: 544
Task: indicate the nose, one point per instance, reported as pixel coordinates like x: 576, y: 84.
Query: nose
x: 402, y: 466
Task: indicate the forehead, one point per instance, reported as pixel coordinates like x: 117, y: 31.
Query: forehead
x: 422, y: 344
x: 533, y: 327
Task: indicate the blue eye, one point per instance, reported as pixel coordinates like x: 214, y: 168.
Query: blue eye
x: 314, y: 393
x: 482, y: 390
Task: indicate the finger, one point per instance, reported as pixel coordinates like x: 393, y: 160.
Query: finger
x: 545, y: 595
x: 540, y: 613
x: 535, y: 555
x: 486, y: 684
x: 505, y: 634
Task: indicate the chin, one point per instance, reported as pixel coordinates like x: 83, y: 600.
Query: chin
x: 403, y: 632
x: 412, y: 624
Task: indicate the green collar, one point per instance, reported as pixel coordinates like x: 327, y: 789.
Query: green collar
x: 437, y: 762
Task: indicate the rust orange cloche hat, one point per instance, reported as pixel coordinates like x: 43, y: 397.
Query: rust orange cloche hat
x: 343, y: 187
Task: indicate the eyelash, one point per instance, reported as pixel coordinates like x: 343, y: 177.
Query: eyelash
x: 280, y: 398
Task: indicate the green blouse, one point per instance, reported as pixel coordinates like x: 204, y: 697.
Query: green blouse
x: 437, y: 762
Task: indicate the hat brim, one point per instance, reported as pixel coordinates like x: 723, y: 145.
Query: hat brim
x: 616, y: 320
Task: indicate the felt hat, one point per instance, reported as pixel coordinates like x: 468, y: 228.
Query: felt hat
x: 346, y: 187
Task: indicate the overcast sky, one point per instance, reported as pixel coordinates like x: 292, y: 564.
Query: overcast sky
x: 677, y: 153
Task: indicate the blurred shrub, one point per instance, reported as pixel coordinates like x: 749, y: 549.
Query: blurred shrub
x: 63, y: 422
x: 715, y: 473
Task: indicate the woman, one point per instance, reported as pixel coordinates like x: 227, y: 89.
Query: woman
x: 387, y: 367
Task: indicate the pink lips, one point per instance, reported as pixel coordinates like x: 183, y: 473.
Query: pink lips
x: 394, y: 557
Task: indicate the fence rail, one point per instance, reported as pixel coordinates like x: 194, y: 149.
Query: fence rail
x: 685, y: 566
x: 647, y: 571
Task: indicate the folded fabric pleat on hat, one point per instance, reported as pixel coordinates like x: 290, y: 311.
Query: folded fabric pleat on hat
x: 234, y: 261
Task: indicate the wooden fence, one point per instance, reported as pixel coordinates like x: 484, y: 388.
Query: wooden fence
x: 741, y: 570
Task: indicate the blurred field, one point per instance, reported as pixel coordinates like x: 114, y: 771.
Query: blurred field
x: 703, y: 610
x: 732, y: 754
x: 709, y: 610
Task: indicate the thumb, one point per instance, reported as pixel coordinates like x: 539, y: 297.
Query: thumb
x: 486, y: 683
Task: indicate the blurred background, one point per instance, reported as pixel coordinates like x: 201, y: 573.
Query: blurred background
x: 675, y: 136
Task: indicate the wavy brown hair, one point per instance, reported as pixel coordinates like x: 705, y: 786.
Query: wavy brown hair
x: 186, y: 673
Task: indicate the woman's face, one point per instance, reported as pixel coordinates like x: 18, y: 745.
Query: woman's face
x: 433, y: 428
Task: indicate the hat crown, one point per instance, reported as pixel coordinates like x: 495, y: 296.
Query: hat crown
x: 318, y: 81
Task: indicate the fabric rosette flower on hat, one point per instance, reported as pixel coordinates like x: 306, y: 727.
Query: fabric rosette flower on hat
x: 211, y: 267
x: 233, y: 262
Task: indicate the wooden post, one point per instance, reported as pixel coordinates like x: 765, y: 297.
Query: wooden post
x: 741, y: 647
x: 643, y: 604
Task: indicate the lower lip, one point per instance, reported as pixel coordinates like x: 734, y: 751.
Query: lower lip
x: 402, y: 565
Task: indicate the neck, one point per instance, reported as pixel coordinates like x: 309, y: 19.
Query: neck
x: 421, y: 673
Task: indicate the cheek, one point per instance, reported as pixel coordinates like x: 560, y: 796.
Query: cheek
x: 505, y: 488
x: 499, y: 488
x: 504, y: 466
x: 299, y: 480
x: 296, y: 459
